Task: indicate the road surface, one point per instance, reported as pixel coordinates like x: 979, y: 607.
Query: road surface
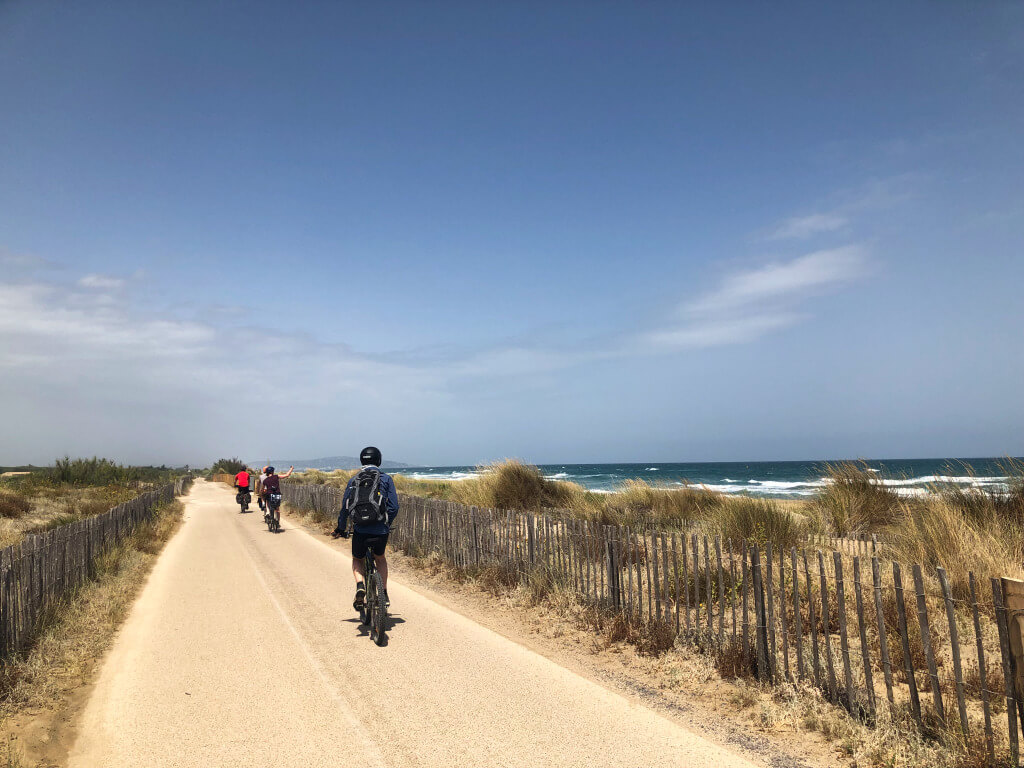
x: 243, y: 650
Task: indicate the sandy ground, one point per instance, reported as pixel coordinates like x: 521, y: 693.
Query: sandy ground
x: 243, y: 650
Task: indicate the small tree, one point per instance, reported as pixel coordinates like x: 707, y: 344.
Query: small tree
x: 228, y: 466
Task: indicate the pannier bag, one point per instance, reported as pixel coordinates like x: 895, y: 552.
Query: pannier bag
x: 366, y: 505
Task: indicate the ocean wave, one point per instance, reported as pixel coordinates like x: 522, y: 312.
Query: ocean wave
x: 977, y: 482
x: 652, y: 469
x: 782, y: 485
x: 454, y: 475
x: 557, y: 476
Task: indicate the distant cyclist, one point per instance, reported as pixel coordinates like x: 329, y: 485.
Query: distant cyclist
x: 242, y: 484
x: 371, y: 502
x: 259, y: 490
x: 271, y: 490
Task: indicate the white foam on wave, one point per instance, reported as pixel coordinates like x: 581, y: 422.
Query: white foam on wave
x: 976, y: 482
x: 782, y: 485
x: 557, y: 476
x: 444, y: 475
x: 652, y: 469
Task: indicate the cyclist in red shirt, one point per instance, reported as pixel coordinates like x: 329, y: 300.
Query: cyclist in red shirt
x: 242, y: 481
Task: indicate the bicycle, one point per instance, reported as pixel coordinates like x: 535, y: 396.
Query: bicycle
x: 374, y: 613
x: 273, y: 514
x: 242, y: 498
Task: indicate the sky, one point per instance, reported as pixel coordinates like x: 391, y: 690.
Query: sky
x: 461, y: 231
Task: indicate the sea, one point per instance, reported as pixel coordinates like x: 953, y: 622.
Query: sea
x: 766, y: 479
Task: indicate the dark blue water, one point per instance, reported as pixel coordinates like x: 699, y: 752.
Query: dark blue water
x: 779, y: 479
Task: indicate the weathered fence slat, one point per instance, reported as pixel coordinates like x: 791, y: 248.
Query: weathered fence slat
x: 926, y: 642
x: 982, y: 672
x: 954, y: 642
x: 883, y: 642
x: 865, y: 651
x: 1004, y: 647
x: 901, y: 611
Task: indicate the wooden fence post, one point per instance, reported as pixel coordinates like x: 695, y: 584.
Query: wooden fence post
x: 732, y: 590
x: 926, y: 641
x: 883, y: 642
x: 1013, y: 602
x: 908, y: 664
x: 656, y: 581
x: 954, y: 642
x: 770, y: 600
x: 844, y: 640
x: 721, y: 592
x: 707, y: 590
x: 675, y: 570
x: 1008, y: 677
x: 667, y: 584
x: 865, y: 652
x: 797, y: 619
x: 760, y: 617
x: 826, y: 623
x: 982, y: 672
x: 813, y: 618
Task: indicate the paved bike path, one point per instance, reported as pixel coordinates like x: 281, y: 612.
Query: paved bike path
x: 243, y: 650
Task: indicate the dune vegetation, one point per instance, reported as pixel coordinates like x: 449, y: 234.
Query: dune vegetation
x: 70, y: 490
x: 960, y: 528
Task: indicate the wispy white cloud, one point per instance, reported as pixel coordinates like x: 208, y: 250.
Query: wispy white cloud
x: 751, y: 303
x: 79, y: 352
x: 783, y: 280
x: 101, y: 282
x: 804, y: 227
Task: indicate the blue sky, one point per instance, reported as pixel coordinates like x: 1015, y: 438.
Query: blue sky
x: 560, y: 231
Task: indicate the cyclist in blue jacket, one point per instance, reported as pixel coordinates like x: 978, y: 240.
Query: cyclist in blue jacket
x: 372, y: 536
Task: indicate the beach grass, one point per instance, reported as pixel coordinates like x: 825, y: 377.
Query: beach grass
x: 960, y: 528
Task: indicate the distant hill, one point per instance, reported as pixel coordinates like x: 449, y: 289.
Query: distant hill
x: 328, y: 463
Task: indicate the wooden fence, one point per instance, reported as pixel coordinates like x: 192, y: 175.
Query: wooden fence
x: 876, y: 637
x: 42, y: 568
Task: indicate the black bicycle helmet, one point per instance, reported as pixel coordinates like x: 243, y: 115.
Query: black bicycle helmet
x: 370, y: 455
x: 270, y: 470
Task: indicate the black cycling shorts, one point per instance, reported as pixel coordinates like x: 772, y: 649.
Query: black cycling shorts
x: 372, y: 541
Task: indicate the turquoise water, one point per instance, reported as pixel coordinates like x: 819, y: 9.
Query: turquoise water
x: 775, y: 479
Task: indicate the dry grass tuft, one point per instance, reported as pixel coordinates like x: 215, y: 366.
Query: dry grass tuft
x: 12, y: 504
x: 757, y: 520
x: 854, y: 500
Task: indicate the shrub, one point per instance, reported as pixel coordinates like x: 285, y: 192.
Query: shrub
x: 96, y: 471
x: 938, y: 532
x: 665, y: 507
x: 230, y: 466
x: 854, y: 500
x: 13, y: 504
x: 757, y: 520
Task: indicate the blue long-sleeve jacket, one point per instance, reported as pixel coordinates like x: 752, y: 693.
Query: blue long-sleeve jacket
x: 387, y: 487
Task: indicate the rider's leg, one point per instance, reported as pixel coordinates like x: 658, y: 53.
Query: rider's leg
x: 381, y: 563
x: 358, y: 569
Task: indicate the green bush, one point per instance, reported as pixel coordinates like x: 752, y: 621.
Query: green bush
x: 13, y: 504
x: 96, y: 471
x: 230, y: 466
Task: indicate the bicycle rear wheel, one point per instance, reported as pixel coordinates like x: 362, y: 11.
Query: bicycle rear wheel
x: 379, y: 618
